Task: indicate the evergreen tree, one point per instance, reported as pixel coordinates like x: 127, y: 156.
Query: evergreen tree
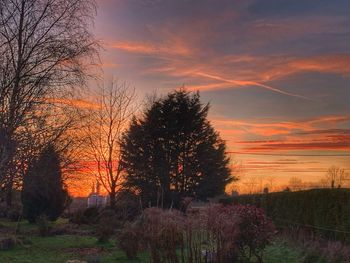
x: 43, y: 191
x: 173, y: 152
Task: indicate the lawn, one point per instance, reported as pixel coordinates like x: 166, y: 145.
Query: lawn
x: 58, y: 249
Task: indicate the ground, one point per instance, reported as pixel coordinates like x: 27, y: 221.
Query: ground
x: 60, y: 248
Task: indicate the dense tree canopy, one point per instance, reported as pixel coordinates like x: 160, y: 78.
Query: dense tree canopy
x: 172, y: 152
x: 43, y: 192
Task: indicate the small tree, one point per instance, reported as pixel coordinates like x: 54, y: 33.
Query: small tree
x: 43, y: 192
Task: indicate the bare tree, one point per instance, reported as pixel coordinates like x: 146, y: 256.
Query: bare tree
x: 295, y: 183
x: 44, y: 47
x: 271, y: 183
x: 106, y: 122
x: 335, y: 176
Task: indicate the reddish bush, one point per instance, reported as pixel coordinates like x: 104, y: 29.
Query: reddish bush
x: 221, y: 228
x: 256, y: 230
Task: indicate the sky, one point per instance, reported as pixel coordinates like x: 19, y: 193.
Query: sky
x: 275, y: 72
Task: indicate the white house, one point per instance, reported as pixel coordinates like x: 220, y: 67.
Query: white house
x: 95, y: 198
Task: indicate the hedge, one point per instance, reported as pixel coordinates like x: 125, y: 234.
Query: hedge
x: 324, y: 211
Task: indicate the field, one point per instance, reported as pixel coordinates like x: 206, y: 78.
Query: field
x: 83, y: 246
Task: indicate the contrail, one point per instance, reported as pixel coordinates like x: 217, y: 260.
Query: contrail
x: 251, y: 83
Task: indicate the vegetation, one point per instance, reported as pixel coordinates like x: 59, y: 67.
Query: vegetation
x: 217, y: 233
x: 322, y: 211
x: 59, y: 248
x: 46, y: 48
x: 43, y: 192
x: 152, y: 165
x: 173, y: 152
x: 103, y: 128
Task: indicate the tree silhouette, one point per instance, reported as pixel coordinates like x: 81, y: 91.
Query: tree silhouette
x: 45, y: 48
x: 102, y: 133
x: 172, y: 152
x: 43, y: 191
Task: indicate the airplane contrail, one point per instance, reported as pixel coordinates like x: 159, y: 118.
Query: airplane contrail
x: 251, y: 83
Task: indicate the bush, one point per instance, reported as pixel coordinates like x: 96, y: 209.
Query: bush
x: 127, y: 207
x: 43, y: 190
x: 106, y: 225
x: 44, y: 225
x: 214, y: 234
x: 87, y: 216
x: 91, y: 215
x: 163, y: 232
x: 129, y: 240
x: 256, y: 231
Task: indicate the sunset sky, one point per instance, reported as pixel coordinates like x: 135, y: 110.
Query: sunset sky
x: 276, y: 73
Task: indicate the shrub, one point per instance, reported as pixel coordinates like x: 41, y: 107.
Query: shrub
x: 44, y: 226
x: 106, y: 225
x: 129, y: 240
x: 256, y: 231
x: 222, y: 228
x: 163, y: 232
x: 214, y: 234
x: 88, y: 216
x: 43, y: 190
x: 77, y: 217
x: 127, y: 207
x: 91, y: 215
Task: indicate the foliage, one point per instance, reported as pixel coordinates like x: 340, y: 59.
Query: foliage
x: 88, y: 216
x: 256, y: 231
x: 173, y: 151
x: 163, y: 232
x: 216, y: 233
x: 58, y: 249
x: 315, y: 248
x: 45, y: 47
x: 106, y: 225
x: 43, y: 191
x: 127, y: 207
x: 44, y: 225
x: 102, y: 134
x: 129, y: 240
x: 312, y: 210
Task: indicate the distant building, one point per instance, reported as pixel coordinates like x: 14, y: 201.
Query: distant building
x: 234, y: 193
x: 95, y: 198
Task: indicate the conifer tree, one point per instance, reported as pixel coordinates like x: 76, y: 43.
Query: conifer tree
x: 43, y: 192
x: 172, y: 152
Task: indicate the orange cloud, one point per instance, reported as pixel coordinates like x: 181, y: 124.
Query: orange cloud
x: 174, y: 48
x: 73, y: 102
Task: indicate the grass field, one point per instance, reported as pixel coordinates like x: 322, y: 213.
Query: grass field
x: 60, y: 248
